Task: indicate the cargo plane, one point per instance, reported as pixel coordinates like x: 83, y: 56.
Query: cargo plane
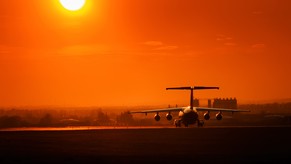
x: 189, y: 115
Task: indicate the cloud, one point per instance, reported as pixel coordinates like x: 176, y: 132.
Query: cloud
x: 259, y: 46
x: 166, y: 48
x: 221, y: 37
x: 153, y: 43
x: 158, y: 45
x: 116, y: 50
x: 225, y: 40
x: 93, y: 49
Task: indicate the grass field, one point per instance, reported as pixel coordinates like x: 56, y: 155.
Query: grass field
x: 150, y: 145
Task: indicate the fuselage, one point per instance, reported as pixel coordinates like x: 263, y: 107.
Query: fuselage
x: 188, y: 116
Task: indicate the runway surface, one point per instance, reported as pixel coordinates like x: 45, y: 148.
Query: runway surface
x: 76, y: 128
x: 148, y: 145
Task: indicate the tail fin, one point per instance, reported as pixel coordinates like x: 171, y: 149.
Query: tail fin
x: 191, y: 88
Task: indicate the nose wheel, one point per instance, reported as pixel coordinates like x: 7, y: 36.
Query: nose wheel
x: 178, y: 123
x: 200, y: 123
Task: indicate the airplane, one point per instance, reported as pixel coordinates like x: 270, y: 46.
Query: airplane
x: 189, y: 115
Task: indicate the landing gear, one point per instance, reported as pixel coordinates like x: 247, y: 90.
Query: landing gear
x: 178, y: 123
x: 200, y: 123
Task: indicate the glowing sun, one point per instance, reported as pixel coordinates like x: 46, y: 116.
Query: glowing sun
x: 73, y: 5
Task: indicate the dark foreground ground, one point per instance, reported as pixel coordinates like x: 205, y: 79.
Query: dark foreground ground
x: 165, y: 145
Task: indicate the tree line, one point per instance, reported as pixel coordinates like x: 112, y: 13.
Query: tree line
x: 60, y: 118
x: 98, y: 117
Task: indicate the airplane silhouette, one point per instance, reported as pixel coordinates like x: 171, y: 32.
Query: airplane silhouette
x: 189, y: 115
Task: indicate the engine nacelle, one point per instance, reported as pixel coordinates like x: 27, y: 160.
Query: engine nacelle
x: 206, y: 116
x: 219, y: 116
x: 157, y: 117
x: 169, y: 116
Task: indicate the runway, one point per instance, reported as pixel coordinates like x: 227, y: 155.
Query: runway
x: 76, y: 128
x: 148, y: 145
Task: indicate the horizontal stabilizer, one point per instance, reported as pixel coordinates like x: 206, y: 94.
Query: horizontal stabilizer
x: 180, y: 88
x: 201, y: 87
x: 191, y: 88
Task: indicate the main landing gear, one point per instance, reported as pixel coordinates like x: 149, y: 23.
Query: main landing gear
x: 200, y: 123
x: 177, y: 123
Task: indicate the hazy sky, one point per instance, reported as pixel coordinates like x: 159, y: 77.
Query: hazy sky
x: 126, y: 52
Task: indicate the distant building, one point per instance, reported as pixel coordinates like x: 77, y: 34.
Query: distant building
x: 228, y: 103
x: 209, y: 103
x: 196, y: 102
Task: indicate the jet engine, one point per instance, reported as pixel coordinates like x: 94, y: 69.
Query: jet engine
x: 218, y: 116
x: 169, y: 116
x: 157, y: 117
x: 206, y: 116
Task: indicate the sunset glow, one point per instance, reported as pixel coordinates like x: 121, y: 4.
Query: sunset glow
x: 127, y: 52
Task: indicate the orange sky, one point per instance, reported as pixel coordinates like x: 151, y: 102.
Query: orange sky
x: 126, y: 52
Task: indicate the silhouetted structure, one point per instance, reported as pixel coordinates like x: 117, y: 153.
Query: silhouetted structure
x: 224, y: 103
x: 209, y: 103
x: 196, y: 102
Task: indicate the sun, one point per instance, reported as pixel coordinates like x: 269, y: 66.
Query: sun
x: 73, y: 5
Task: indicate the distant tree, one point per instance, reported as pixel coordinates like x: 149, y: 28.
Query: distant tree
x: 30, y: 118
x: 102, y: 118
x: 125, y: 118
x: 46, y: 120
x: 11, y: 121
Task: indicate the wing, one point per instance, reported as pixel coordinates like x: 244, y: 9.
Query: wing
x: 220, y: 109
x: 160, y: 110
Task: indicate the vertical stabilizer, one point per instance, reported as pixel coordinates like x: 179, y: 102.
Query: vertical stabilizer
x: 192, y: 92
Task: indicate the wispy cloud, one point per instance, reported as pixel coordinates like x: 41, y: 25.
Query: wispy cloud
x: 230, y: 44
x: 225, y: 40
x: 116, y: 50
x: 221, y: 37
x: 166, y: 48
x: 158, y: 45
x: 93, y: 49
x: 153, y: 43
x: 259, y: 46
